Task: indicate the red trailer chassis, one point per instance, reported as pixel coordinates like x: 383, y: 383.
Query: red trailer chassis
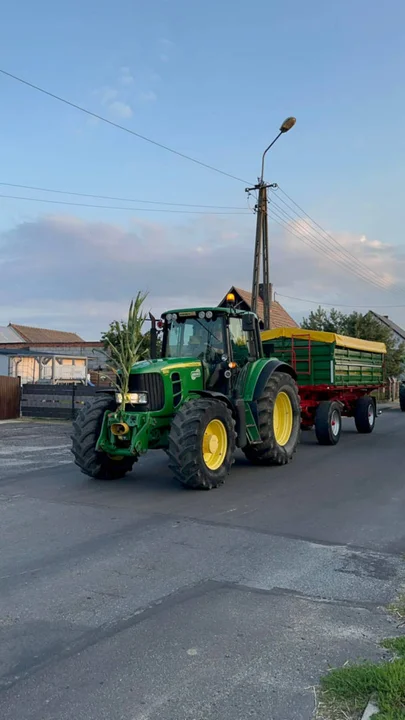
x: 312, y: 395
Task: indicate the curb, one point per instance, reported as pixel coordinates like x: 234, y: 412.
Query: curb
x: 370, y: 710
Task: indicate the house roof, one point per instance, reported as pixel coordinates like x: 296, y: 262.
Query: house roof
x: 42, y: 335
x: 278, y: 316
x: 390, y: 324
x: 8, y: 335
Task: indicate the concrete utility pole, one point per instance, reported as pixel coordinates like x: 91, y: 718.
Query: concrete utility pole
x: 262, y: 234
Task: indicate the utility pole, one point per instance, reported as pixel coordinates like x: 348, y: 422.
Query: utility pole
x: 262, y: 235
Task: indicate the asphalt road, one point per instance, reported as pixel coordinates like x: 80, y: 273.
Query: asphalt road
x: 138, y: 600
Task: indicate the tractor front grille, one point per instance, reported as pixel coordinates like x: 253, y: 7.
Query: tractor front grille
x: 152, y: 383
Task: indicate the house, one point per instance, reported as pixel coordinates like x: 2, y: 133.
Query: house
x: 279, y: 317
x: 47, y: 355
x: 397, y: 332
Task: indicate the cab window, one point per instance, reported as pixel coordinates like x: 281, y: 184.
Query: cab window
x: 240, y: 340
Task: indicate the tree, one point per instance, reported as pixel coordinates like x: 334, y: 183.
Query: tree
x: 126, y: 344
x: 357, y: 325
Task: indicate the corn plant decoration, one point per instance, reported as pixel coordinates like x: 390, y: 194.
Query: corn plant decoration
x: 128, y: 346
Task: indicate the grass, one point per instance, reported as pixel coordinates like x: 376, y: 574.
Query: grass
x: 346, y: 691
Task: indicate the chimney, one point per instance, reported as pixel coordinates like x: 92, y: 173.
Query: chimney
x: 270, y: 291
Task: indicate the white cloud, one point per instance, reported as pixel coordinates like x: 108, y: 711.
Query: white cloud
x: 120, y: 109
x: 126, y: 77
x: 67, y: 272
x: 147, y: 97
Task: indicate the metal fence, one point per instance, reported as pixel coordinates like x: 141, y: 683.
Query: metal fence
x: 54, y: 401
x: 9, y: 397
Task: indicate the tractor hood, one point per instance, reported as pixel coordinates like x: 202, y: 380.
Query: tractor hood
x: 166, y: 365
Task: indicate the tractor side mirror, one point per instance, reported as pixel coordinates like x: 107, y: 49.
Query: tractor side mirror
x: 248, y: 322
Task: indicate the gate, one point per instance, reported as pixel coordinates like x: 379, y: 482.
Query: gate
x: 9, y: 397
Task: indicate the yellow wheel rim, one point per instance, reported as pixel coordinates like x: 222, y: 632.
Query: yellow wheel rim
x: 215, y: 444
x: 282, y: 418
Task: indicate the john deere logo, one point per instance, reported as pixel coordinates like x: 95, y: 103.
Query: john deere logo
x: 195, y: 374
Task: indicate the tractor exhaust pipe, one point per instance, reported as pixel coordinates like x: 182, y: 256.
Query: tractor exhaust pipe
x: 119, y: 429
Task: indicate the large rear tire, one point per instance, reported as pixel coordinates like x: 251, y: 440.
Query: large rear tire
x: 202, y: 444
x: 328, y: 423
x: 86, y: 431
x: 365, y: 415
x: 402, y: 398
x: 279, y: 422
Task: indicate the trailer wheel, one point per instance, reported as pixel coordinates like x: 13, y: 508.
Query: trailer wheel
x: 328, y: 423
x: 202, y: 444
x: 86, y: 430
x: 365, y: 414
x: 279, y: 422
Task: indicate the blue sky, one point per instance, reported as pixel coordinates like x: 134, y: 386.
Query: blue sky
x: 213, y: 80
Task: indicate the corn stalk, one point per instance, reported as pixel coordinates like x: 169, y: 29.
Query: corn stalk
x: 128, y: 346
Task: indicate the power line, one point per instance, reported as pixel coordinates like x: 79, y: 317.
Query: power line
x: 115, y: 207
x: 316, y: 245
x: 118, y: 199
x: 120, y: 127
x: 336, y: 305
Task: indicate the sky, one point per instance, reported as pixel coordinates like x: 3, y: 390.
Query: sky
x: 212, y: 80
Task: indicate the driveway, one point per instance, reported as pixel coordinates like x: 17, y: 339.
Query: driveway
x: 138, y: 600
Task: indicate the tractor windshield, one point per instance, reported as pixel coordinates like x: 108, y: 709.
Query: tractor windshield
x: 195, y: 337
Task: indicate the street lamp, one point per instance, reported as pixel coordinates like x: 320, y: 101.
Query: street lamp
x: 262, y: 242
x: 285, y: 127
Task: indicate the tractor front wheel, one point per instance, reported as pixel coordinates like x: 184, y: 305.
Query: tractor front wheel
x: 86, y: 431
x: 202, y: 444
x: 279, y: 422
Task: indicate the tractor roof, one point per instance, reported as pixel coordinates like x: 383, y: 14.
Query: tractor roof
x: 217, y: 310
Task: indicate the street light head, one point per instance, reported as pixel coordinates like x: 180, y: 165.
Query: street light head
x: 287, y: 124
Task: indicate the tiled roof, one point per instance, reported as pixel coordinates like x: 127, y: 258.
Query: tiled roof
x: 278, y: 316
x: 41, y: 335
x: 389, y: 323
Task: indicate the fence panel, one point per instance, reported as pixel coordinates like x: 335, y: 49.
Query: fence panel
x: 9, y: 397
x: 54, y: 401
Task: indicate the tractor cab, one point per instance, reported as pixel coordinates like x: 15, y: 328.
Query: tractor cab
x: 223, y: 339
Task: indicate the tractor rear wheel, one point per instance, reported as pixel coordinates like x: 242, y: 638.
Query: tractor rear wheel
x: 328, y: 422
x: 86, y: 430
x: 279, y: 422
x: 402, y: 398
x: 365, y: 414
x: 202, y: 443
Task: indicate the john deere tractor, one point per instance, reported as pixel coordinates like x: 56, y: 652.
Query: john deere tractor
x: 210, y: 392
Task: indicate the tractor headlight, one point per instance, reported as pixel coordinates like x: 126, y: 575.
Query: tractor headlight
x: 208, y: 314
x: 201, y: 315
x: 169, y: 317
x: 134, y: 398
x: 174, y: 316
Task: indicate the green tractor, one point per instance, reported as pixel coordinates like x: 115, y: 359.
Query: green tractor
x: 210, y: 392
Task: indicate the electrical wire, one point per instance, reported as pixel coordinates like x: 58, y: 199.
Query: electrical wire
x: 118, y: 199
x: 316, y: 240
x: 131, y: 209
x: 120, y: 127
x: 310, y: 243
x: 335, y: 305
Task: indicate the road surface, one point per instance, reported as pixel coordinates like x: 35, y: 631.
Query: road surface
x: 137, y: 600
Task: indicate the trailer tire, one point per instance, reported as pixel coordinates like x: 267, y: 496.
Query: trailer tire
x: 272, y: 451
x: 202, y: 444
x: 86, y: 430
x: 328, y: 423
x: 365, y: 415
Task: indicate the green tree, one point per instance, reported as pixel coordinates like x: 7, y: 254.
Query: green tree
x: 125, y: 344
x: 357, y: 325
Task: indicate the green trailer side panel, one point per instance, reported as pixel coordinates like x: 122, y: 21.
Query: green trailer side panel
x: 321, y: 363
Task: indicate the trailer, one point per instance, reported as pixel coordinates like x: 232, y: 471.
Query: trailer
x: 335, y: 375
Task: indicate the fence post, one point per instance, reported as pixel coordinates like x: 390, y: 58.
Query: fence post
x: 73, y: 400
